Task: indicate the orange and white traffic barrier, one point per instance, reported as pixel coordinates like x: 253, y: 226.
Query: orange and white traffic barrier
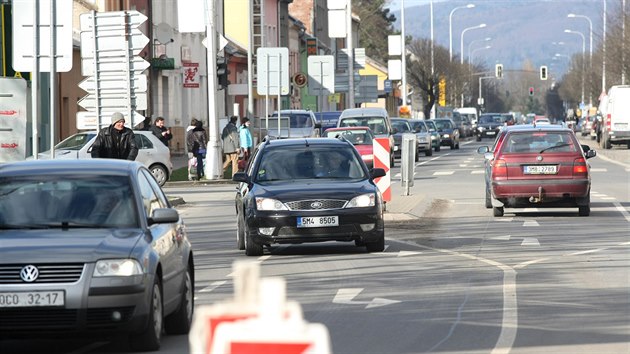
x: 381, y: 160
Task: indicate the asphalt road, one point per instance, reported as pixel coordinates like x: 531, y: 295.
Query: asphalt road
x: 453, y: 278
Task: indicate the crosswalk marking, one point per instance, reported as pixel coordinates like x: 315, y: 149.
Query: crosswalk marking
x: 443, y: 173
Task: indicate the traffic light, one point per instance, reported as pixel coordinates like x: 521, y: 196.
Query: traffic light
x: 222, y: 72
x: 531, y: 91
x: 498, y: 71
x: 543, y: 72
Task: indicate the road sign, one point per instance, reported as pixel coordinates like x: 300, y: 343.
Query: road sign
x: 110, y: 20
x: 23, y: 36
x: 13, y: 118
x: 381, y: 160
x: 321, y: 75
x: 394, y: 69
x: 273, y: 71
x: 109, y: 42
x: 114, y: 100
x: 114, y: 83
x: 89, y: 120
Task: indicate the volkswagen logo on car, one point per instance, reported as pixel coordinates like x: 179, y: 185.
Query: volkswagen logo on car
x: 29, y: 273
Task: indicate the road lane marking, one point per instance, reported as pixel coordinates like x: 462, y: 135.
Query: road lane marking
x: 443, y: 173
x: 528, y: 223
x: 502, y: 238
x: 530, y: 241
x: 212, y: 286
x: 408, y: 253
x: 346, y: 296
x: 477, y: 172
x: 622, y: 210
x: 509, y: 321
x: 599, y: 170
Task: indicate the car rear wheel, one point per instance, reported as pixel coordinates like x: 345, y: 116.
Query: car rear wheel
x: 160, y: 174
x: 457, y: 145
x: 437, y: 148
x: 497, y: 211
x: 180, y: 321
x: 584, y: 210
x: 252, y: 249
x: 240, y: 232
x: 149, y: 339
x: 378, y: 245
x: 428, y: 152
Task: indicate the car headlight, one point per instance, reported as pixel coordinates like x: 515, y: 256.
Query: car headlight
x: 447, y: 135
x: 269, y: 204
x: 117, y: 268
x: 422, y: 140
x: 480, y: 129
x: 362, y: 201
x: 433, y: 137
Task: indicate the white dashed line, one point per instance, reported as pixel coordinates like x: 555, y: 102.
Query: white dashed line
x: 443, y: 173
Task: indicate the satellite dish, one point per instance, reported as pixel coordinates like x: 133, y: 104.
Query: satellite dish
x: 164, y: 33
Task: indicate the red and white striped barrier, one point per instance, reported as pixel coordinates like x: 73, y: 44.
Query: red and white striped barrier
x: 381, y: 160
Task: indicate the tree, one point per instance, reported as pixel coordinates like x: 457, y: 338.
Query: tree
x: 376, y: 25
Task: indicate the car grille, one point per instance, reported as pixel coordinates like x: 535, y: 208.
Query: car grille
x: 48, y: 273
x: 316, y: 204
x: 346, y: 230
x: 20, y: 319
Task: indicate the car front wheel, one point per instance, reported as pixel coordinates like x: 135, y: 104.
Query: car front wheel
x: 180, y: 321
x: 240, y: 232
x: 149, y: 339
x: 252, y: 249
x: 376, y: 246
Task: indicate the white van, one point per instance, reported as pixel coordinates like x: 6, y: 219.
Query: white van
x: 616, y: 117
x: 377, y: 119
x: 471, y: 112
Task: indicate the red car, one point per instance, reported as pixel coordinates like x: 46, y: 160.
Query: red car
x: 360, y: 137
x: 540, y: 166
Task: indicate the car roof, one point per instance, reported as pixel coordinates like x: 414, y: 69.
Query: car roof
x: 364, y: 111
x: 346, y: 128
x: 305, y: 142
x: 70, y: 166
x: 536, y: 128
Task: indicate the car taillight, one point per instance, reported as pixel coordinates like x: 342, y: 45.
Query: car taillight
x: 608, y: 127
x: 499, y: 168
x: 579, y: 166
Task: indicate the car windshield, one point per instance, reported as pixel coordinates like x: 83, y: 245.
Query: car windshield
x: 443, y: 124
x: 419, y: 127
x: 401, y: 126
x: 355, y: 136
x: 376, y: 124
x: 485, y: 119
x: 75, y: 142
x: 45, y: 201
x: 309, y: 162
x: 294, y: 120
x: 539, y: 142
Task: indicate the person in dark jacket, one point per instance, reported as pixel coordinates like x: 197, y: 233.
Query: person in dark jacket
x: 115, y: 141
x: 197, y: 143
x: 163, y: 133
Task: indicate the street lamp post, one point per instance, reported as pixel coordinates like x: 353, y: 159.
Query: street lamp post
x: 477, y: 41
x: 590, y: 54
x: 583, y: 53
x: 461, y: 54
x: 476, y: 50
x: 450, y: 28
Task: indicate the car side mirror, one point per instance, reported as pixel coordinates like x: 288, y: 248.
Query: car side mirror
x: 483, y: 149
x: 240, y: 177
x: 377, y: 172
x: 164, y: 216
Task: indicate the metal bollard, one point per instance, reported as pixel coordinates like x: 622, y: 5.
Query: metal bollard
x: 407, y: 161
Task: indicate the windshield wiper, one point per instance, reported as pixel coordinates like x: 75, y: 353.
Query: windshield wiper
x: 554, y: 147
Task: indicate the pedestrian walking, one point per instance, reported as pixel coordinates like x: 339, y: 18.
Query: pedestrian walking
x: 197, y: 142
x: 231, y: 145
x: 116, y: 141
x: 246, y: 141
x: 163, y: 133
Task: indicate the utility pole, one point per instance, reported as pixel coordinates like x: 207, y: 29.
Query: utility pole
x: 349, y: 48
x: 212, y: 169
